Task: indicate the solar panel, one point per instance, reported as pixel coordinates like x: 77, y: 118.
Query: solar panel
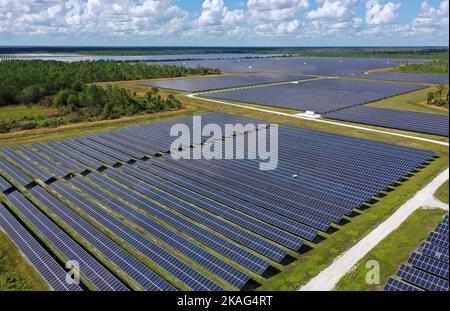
x: 434, y: 251
x: 192, y: 278
x: 74, y: 154
x: 438, y: 239
x: 27, y: 165
x: 135, y: 269
x: 224, y: 270
x: 394, y: 285
x: 44, y: 162
x: 398, y: 76
x: 242, y: 219
x: 100, y: 156
x: 267, y: 249
x: 327, y: 66
x: 61, y: 158
x: 14, y: 173
x: 428, y: 123
x: 430, y: 265
x: 104, y: 149
x: 321, y: 96
x: 42, y: 261
x: 422, y: 279
x: 216, y: 242
x: 90, y: 268
x: 223, y: 82
x: 4, y: 185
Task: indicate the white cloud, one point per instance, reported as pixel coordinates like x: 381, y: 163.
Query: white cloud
x: 275, y: 10
x: 382, y: 14
x: 333, y: 9
x: 432, y: 18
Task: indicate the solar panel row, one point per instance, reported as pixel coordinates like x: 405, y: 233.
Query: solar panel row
x: 4, y: 185
x: 320, y: 95
x: 136, y: 270
x: 428, y: 123
x: 26, y: 165
x: 224, y: 270
x: 219, y: 244
x: 428, y: 267
x: 89, y: 267
x: 14, y: 173
x: 173, y: 265
x: 41, y: 260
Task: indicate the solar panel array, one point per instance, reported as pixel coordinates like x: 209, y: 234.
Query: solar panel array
x: 398, y: 76
x: 427, y: 268
x: 321, y: 96
x: 198, y: 224
x: 428, y: 123
x: 327, y: 66
x: 223, y: 82
x: 41, y: 260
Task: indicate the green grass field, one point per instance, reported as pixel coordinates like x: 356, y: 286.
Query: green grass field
x: 393, y: 250
x: 442, y: 193
x: 21, y: 111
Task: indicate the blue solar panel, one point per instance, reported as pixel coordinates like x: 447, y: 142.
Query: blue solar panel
x: 90, y: 152
x: 41, y: 260
x: 422, y: 279
x: 44, y: 162
x: 4, y: 185
x: 219, y: 244
x: 14, y: 173
x: 321, y: 96
x: 90, y: 268
x: 428, y: 123
x: 394, y: 285
x: 223, y: 82
x: 434, y: 251
x: 59, y: 157
x: 104, y: 149
x: 408, y: 77
x: 76, y: 155
x: 438, y: 239
x: 165, y: 260
x: 27, y: 165
x: 224, y: 270
x: 136, y: 270
x: 430, y: 265
x: 265, y: 248
x: 255, y: 225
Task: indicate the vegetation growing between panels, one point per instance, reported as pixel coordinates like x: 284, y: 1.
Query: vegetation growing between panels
x: 442, y: 193
x: 439, y: 98
x: 16, y: 274
x: 393, y: 250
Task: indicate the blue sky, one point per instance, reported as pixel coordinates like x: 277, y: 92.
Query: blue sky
x: 224, y: 22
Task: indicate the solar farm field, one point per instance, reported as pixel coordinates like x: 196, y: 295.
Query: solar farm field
x: 428, y: 123
x: 320, y: 96
x: 406, y: 77
x: 140, y: 220
x: 222, y: 82
x: 427, y: 269
x: 327, y: 66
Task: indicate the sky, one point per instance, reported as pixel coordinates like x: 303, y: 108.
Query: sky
x: 224, y: 22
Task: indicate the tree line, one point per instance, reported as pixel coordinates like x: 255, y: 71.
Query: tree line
x: 27, y: 82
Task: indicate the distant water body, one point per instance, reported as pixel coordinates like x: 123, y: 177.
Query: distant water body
x: 78, y: 57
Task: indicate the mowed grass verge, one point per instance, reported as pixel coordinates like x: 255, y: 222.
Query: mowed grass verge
x: 442, y: 193
x: 393, y: 250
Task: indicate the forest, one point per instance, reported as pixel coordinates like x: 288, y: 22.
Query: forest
x: 68, y: 88
x: 30, y: 82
